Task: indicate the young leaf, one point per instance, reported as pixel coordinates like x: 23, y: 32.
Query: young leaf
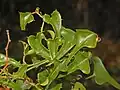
x: 101, y: 74
x: 78, y: 86
x: 25, y: 18
x: 55, y: 21
x: 81, y: 62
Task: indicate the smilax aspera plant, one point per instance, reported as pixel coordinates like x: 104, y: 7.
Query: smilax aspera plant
x: 59, y: 56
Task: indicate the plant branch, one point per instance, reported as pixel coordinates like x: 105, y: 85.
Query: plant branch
x: 6, y: 51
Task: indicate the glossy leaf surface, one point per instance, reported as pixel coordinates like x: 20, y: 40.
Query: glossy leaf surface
x: 84, y: 38
x: 36, y: 44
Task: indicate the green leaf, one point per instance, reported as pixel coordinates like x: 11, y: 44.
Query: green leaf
x: 55, y: 21
x: 81, y: 62
x: 78, y: 86
x: 37, y: 46
x: 43, y: 77
x: 25, y: 18
x: 84, y: 38
x: 53, y: 47
x: 69, y: 42
x: 101, y: 74
x: 57, y: 87
x: 21, y: 71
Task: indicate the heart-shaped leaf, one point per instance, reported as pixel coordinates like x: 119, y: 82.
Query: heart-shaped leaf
x: 101, y: 74
x: 37, y: 46
x: 55, y: 21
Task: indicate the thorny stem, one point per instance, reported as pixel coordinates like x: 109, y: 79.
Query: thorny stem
x: 6, y: 51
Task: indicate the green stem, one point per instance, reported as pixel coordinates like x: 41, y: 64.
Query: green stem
x: 35, y: 65
x: 24, y: 59
x: 42, y: 27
